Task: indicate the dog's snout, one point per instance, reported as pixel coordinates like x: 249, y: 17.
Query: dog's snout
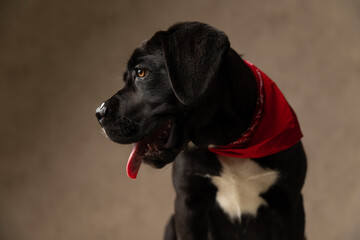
x: 101, y: 111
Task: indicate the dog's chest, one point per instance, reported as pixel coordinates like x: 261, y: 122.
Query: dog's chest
x: 240, y: 184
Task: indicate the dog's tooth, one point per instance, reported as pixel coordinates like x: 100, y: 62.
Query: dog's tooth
x: 150, y: 147
x: 156, y: 147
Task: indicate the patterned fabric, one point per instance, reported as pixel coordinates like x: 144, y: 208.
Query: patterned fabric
x: 274, y: 127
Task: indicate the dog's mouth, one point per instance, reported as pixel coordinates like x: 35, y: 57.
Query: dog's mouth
x: 154, y: 150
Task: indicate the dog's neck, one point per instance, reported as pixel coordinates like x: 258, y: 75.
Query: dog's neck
x: 241, y: 95
x: 234, y: 99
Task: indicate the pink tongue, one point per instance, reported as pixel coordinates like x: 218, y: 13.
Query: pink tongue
x: 135, y: 160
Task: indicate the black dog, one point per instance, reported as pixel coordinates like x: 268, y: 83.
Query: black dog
x: 186, y: 94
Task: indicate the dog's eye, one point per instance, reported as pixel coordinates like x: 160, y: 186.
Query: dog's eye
x: 142, y: 72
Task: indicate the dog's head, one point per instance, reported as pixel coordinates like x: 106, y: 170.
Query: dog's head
x: 169, y: 94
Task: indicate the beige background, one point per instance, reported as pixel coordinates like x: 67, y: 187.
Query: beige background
x: 60, y: 178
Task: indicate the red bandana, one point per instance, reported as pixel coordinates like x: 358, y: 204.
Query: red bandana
x: 274, y: 127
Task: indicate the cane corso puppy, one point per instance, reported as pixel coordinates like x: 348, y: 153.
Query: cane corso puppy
x: 239, y: 164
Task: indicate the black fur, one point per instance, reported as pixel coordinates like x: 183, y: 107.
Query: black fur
x: 200, y: 84
x: 193, y: 62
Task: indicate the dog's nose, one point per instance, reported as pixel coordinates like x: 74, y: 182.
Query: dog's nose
x: 100, y: 111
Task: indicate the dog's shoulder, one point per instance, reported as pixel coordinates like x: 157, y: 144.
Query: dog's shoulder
x: 242, y: 185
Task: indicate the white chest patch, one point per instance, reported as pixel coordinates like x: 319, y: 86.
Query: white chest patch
x: 240, y: 184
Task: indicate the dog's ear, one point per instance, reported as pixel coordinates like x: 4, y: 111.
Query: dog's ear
x: 193, y: 53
